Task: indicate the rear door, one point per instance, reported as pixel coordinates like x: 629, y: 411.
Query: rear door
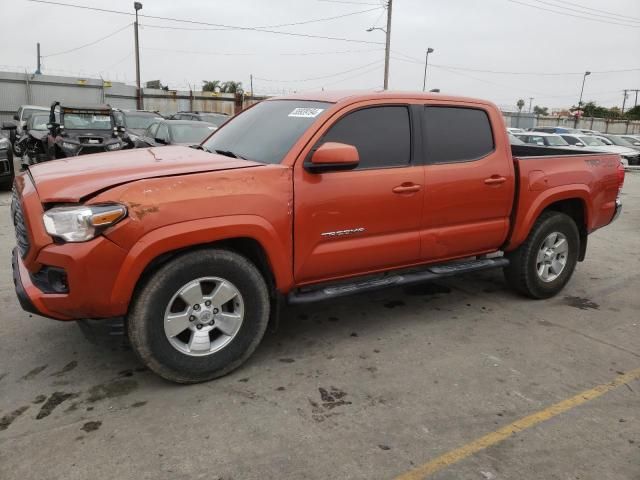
x: 469, y: 182
x: 365, y: 219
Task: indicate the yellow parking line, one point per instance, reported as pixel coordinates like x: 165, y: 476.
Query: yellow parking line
x: 481, y: 443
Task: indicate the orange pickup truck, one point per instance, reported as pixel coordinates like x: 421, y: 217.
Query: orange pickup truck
x: 298, y: 199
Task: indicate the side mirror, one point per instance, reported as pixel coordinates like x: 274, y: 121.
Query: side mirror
x: 16, y: 117
x: 333, y: 156
x: 9, y: 126
x: 579, y: 144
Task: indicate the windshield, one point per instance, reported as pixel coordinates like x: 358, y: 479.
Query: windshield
x: 26, y: 114
x: 87, y: 121
x: 557, y: 141
x: 217, y: 120
x: 140, y: 120
x: 591, y: 141
x: 38, y: 122
x: 191, y: 133
x: 267, y: 131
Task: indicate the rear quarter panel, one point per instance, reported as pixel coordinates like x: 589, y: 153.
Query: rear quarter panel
x: 592, y: 179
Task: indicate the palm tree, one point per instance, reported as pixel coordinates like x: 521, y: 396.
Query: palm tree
x: 231, y: 87
x: 211, y: 85
x: 520, y: 105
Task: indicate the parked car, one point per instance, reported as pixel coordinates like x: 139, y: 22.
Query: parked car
x: 589, y: 142
x: 79, y: 130
x: 216, y: 119
x: 543, y: 139
x: 589, y: 132
x: 513, y: 140
x: 7, y: 169
x: 199, y: 247
x: 515, y: 130
x: 33, y: 142
x: 21, y: 117
x: 634, y: 139
x: 135, y: 123
x: 617, y: 140
x: 176, y: 132
x: 555, y: 130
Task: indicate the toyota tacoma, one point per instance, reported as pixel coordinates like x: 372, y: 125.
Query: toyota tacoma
x: 299, y: 199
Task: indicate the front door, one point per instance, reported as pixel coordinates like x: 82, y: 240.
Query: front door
x: 366, y: 219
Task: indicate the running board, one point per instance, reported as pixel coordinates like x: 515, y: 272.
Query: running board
x: 315, y: 294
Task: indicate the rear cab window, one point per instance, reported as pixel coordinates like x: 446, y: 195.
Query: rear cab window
x: 456, y: 134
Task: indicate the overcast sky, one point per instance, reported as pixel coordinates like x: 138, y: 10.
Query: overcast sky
x: 498, y: 35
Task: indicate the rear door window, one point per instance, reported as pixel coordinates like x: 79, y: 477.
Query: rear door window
x: 381, y: 134
x: 456, y: 134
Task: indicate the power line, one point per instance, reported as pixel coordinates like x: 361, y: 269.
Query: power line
x: 624, y: 17
x: 565, y: 14
x: 88, y: 44
x: 562, y: 7
x: 348, y: 2
x: 502, y: 72
x: 320, y: 77
x: 195, y: 22
x: 246, y: 54
x: 316, y: 20
x: 359, y: 74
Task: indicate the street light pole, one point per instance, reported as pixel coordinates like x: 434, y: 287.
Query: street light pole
x: 584, y: 78
x: 387, y: 45
x: 137, y: 6
x: 426, y: 63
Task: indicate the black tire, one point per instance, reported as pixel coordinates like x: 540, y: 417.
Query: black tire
x: 522, y: 275
x: 145, y: 322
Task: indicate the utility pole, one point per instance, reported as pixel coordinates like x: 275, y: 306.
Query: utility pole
x: 38, y: 70
x: 387, y: 46
x: 624, y: 101
x: 584, y: 78
x: 426, y: 63
x: 251, y: 81
x: 530, y: 101
x: 137, y: 6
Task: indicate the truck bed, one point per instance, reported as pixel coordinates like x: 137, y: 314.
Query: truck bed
x: 545, y: 176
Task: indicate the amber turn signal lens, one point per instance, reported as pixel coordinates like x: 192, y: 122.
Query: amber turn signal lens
x: 107, y: 217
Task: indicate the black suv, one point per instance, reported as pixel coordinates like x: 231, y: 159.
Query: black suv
x: 78, y: 130
x: 216, y: 119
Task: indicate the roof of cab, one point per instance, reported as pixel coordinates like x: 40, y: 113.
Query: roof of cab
x: 348, y: 96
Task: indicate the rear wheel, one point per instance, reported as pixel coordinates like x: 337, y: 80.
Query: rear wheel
x: 544, y: 263
x: 200, y: 316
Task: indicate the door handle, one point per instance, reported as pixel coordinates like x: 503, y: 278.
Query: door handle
x: 407, y: 188
x: 495, y: 180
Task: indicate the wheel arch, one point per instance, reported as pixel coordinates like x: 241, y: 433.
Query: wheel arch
x: 574, y: 201
x: 253, y: 238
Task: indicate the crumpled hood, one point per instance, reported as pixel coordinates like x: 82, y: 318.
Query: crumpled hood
x: 72, y: 179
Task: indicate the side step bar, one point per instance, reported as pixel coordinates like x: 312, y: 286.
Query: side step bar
x: 315, y: 294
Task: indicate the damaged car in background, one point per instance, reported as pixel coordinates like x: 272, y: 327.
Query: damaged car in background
x: 79, y: 130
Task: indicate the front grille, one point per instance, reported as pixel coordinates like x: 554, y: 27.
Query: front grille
x: 22, y: 237
x: 91, y: 140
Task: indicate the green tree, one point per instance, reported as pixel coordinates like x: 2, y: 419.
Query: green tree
x: 520, y: 105
x: 211, y: 85
x: 633, y: 113
x: 540, y: 110
x: 232, y: 87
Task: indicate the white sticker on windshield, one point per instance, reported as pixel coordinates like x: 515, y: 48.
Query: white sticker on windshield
x: 301, y: 112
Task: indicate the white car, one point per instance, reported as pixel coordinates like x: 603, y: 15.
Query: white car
x: 591, y: 143
x: 515, y: 130
x: 544, y: 139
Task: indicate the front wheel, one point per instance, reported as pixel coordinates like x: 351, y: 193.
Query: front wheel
x: 544, y: 263
x: 200, y: 316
